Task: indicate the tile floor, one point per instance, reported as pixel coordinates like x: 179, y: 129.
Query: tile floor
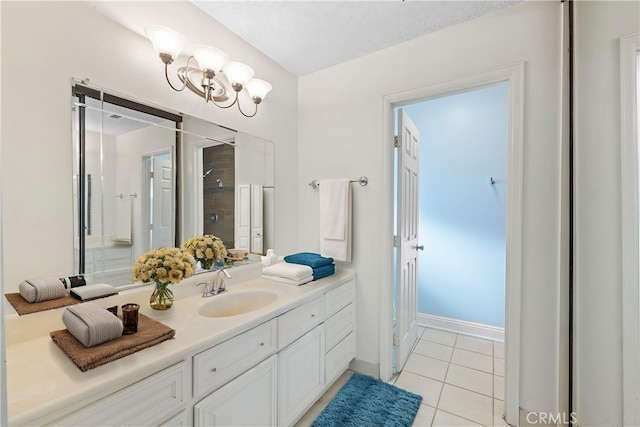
x: 460, y: 379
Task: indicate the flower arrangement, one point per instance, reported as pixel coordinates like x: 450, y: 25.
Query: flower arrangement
x: 163, y: 266
x: 207, y: 249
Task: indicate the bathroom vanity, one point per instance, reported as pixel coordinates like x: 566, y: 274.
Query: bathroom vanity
x: 259, y: 354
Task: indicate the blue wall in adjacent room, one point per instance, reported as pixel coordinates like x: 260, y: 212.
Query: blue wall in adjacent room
x: 463, y: 143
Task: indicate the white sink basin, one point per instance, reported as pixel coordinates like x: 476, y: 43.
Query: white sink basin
x: 233, y: 304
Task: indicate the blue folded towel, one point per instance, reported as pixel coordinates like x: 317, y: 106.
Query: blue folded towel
x: 324, y: 271
x: 308, y: 258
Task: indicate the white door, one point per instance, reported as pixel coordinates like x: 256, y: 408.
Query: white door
x: 257, y: 231
x: 161, y: 217
x: 407, y: 256
x: 243, y: 217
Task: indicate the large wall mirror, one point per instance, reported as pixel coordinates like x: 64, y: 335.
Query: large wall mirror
x: 145, y: 178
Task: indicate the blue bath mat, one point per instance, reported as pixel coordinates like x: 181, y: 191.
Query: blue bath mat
x: 368, y: 402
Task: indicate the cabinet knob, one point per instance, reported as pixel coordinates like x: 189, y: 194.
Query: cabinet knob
x: 214, y: 370
x: 261, y: 344
x: 313, y: 315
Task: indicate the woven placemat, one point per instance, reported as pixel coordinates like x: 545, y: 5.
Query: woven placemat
x: 150, y: 333
x: 22, y: 306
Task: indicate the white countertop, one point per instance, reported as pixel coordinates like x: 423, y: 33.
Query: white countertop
x: 42, y: 380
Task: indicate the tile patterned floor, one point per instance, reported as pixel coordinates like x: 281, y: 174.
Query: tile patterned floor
x: 460, y: 379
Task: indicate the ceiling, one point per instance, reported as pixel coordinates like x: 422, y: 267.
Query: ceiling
x: 307, y: 36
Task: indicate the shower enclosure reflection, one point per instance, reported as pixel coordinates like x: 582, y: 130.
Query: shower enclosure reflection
x: 142, y: 197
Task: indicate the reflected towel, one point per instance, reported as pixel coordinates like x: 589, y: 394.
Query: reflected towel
x: 123, y: 220
x: 91, y: 324
x: 311, y: 259
x: 335, y: 219
x: 42, y: 289
x: 324, y: 271
x: 288, y: 271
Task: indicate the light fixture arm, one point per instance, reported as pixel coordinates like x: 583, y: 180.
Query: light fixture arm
x: 168, y: 60
x: 238, y: 88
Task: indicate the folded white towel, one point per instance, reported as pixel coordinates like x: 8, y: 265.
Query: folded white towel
x: 335, y: 219
x: 91, y: 324
x: 289, y: 281
x: 288, y: 271
x: 98, y: 290
x: 42, y: 289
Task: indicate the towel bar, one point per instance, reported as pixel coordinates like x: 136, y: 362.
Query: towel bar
x: 363, y: 180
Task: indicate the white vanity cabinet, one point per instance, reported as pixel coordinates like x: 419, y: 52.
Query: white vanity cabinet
x: 249, y: 400
x: 340, y: 330
x: 315, y: 344
x: 268, y: 372
x: 301, y: 363
x: 155, y: 400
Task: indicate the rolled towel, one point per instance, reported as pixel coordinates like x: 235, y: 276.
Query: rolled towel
x: 324, y: 271
x: 311, y: 259
x: 288, y: 271
x: 42, y: 289
x: 91, y: 324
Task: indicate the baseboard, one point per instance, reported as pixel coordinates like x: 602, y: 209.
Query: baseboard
x: 461, y: 326
x: 365, y: 368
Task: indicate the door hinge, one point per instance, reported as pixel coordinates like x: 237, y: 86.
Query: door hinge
x: 396, y: 241
x: 396, y: 341
x: 396, y: 141
x: 150, y: 174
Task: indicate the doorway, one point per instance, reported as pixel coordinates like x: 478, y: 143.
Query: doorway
x: 513, y: 76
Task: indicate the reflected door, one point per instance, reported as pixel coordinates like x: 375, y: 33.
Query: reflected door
x: 161, y: 203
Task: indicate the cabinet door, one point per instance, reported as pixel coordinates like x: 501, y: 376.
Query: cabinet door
x: 249, y: 400
x: 301, y: 375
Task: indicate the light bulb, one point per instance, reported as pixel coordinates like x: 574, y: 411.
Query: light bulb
x: 166, y: 42
x: 258, y: 89
x: 238, y: 74
x: 209, y: 58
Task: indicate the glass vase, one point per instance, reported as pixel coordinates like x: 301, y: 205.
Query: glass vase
x: 207, y: 263
x: 162, y: 297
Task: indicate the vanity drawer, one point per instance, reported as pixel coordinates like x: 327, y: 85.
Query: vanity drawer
x: 338, y: 358
x: 339, y: 297
x: 339, y: 326
x: 150, y: 401
x: 214, y: 367
x: 295, y: 323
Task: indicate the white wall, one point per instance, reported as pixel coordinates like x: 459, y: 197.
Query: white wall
x: 341, y: 136
x: 44, y: 44
x: 598, y: 280
x: 463, y: 143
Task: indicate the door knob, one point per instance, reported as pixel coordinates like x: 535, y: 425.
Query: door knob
x: 420, y: 248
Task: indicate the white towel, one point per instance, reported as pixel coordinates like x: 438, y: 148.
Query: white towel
x: 42, y: 289
x: 288, y: 271
x: 289, y: 281
x: 123, y: 220
x: 335, y: 219
x: 91, y: 324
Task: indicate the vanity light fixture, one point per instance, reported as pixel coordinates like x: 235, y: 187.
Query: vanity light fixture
x: 216, y: 76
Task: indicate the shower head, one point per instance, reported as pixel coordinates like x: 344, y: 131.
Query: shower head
x: 207, y: 172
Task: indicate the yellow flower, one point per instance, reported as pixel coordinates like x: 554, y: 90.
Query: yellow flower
x: 205, y: 248
x: 163, y: 265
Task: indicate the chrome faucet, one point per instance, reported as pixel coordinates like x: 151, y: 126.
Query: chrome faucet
x: 215, y: 286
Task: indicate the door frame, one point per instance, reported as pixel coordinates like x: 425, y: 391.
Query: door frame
x: 629, y: 46
x: 513, y: 74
